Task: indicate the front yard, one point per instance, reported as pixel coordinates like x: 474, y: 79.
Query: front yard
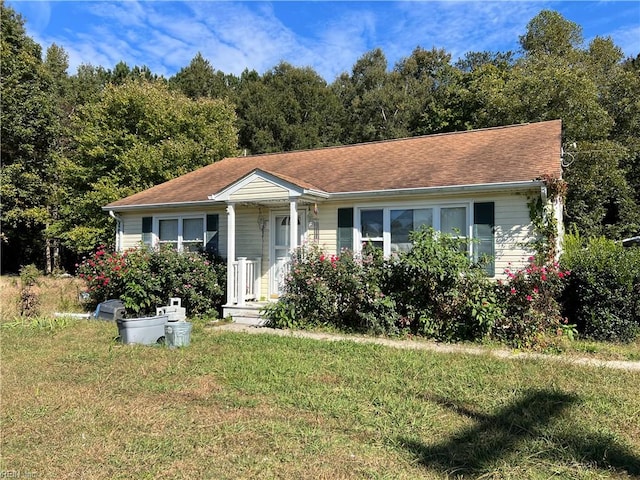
x: 75, y: 404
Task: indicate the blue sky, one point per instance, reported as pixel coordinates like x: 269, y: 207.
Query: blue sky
x: 328, y: 36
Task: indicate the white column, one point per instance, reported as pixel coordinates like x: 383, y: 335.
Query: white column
x: 242, y: 280
x: 293, y: 224
x: 231, y: 250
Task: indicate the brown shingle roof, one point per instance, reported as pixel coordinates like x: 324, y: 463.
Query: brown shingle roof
x: 493, y: 155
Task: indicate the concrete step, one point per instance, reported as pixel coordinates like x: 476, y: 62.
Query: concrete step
x: 247, y: 314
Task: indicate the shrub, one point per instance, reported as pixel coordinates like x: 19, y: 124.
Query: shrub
x: 29, y: 298
x: 603, y: 293
x: 530, y: 298
x: 144, y: 279
x: 341, y: 291
x: 439, y: 292
x: 432, y: 290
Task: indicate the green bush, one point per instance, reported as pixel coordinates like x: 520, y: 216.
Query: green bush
x: 431, y: 290
x: 145, y: 279
x: 439, y: 293
x: 603, y: 293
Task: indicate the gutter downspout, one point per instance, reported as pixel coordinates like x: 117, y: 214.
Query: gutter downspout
x: 119, y: 232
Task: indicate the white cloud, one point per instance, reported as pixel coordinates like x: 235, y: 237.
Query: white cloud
x: 628, y: 39
x: 165, y: 36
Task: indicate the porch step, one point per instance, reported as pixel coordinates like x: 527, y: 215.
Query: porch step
x: 248, y: 314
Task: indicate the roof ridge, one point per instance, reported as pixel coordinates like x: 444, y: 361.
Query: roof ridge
x: 392, y: 140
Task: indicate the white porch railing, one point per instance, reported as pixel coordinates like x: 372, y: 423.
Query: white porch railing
x: 245, y: 280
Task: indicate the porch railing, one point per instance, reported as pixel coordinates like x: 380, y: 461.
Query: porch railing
x: 245, y: 282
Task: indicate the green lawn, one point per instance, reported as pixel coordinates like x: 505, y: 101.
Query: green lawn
x: 75, y: 404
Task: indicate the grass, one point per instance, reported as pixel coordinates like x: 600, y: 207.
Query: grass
x: 231, y: 405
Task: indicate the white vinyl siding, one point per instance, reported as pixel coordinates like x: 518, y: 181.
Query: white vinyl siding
x: 260, y: 189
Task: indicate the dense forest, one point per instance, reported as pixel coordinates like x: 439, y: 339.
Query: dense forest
x: 71, y: 143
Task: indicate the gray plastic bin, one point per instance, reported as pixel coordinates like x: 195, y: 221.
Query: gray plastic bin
x: 144, y: 330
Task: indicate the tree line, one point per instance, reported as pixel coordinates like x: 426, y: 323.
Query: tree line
x: 73, y: 143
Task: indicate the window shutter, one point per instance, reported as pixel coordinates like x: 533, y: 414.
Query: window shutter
x: 484, y: 234
x: 345, y: 229
x: 147, y: 231
x: 211, y: 234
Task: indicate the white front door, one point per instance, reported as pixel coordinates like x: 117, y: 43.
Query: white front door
x: 281, y: 249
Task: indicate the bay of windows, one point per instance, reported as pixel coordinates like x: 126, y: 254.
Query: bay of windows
x: 388, y: 228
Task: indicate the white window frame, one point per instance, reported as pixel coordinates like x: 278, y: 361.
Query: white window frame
x: 386, y: 216
x: 180, y: 219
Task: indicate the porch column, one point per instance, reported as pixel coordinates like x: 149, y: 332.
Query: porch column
x: 293, y: 224
x: 231, y: 250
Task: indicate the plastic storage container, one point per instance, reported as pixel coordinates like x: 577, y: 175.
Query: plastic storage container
x: 144, y: 330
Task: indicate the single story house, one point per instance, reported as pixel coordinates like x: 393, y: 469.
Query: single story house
x: 254, y: 210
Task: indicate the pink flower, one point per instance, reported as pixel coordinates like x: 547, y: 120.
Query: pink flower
x: 529, y: 298
x: 513, y: 291
x: 535, y: 290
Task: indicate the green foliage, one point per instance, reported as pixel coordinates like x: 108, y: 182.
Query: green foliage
x: 288, y: 108
x: 603, y: 293
x: 341, y: 291
x: 439, y: 292
x: 28, y: 130
x: 530, y: 298
x: 138, y: 134
x: 145, y: 279
x: 432, y: 290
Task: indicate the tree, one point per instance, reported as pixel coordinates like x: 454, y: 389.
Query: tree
x: 200, y: 79
x: 549, y: 33
x: 137, y: 135
x: 432, y: 92
x: 372, y: 104
x: 288, y: 108
x: 28, y: 130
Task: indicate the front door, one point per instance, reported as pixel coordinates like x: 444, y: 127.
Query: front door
x: 281, y: 249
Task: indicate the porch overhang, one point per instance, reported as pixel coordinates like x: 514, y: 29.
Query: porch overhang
x: 261, y: 187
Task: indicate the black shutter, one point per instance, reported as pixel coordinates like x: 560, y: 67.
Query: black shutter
x: 147, y: 231
x: 211, y: 234
x: 345, y: 229
x: 484, y: 248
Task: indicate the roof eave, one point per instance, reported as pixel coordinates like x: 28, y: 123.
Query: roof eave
x: 450, y: 189
x: 121, y: 208
x: 482, y: 187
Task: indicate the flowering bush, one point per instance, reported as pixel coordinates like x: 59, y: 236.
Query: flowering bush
x: 144, y: 279
x: 439, y: 293
x: 342, y: 291
x: 431, y: 290
x: 530, y: 297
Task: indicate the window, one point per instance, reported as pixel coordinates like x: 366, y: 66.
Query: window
x: 345, y: 229
x: 389, y: 228
x: 372, y: 227
x: 453, y: 220
x: 192, y: 234
x: 185, y: 234
x: 168, y: 232
x: 403, y: 222
x: 484, y: 249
